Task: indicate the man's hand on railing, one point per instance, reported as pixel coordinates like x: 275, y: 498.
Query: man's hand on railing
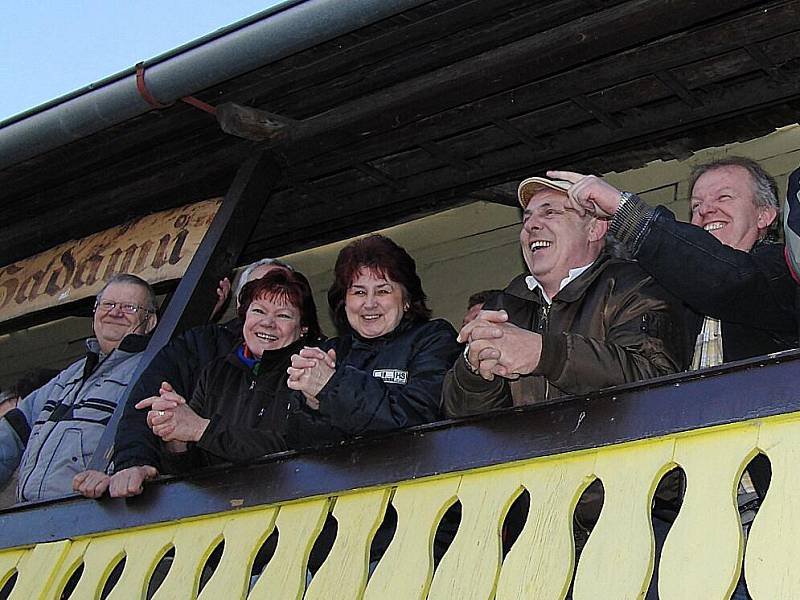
x: 91, y: 484
x: 130, y: 481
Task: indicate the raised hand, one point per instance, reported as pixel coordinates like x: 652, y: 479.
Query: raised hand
x: 590, y: 193
x: 223, y: 291
x: 170, y: 418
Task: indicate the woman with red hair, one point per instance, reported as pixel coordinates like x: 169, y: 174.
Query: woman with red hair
x: 240, y: 406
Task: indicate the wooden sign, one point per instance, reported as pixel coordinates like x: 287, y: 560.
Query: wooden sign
x: 157, y: 247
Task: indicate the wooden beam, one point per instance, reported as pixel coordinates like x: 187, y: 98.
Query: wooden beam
x: 669, y: 80
x: 466, y: 30
x: 644, y: 130
x: 378, y: 175
x: 499, y: 69
x: 590, y: 107
x: 670, y: 53
x: 441, y: 154
x: 194, y: 175
x: 193, y: 300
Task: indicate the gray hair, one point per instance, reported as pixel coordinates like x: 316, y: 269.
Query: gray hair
x: 128, y: 279
x: 765, y: 189
x: 245, y: 277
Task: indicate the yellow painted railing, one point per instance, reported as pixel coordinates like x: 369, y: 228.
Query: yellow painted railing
x: 701, y: 559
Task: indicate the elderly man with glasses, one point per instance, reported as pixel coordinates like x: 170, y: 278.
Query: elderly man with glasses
x: 137, y: 450
x: 53, y: 432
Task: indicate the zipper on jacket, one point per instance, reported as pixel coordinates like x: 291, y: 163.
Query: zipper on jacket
x: 544, y: 322
x: 544, y: 318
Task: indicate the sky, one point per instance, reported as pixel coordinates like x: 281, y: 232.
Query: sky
x: 52, y: 47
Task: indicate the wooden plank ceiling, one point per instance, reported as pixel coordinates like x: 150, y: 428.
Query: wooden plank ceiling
x: 419, y: 112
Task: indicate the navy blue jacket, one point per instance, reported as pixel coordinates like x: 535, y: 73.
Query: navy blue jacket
x: 751, y: 293
x: 380, y: 384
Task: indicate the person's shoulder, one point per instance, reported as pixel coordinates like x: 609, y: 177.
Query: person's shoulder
x: 769, y: 250
x: 516, y: 287
x: 623, y: 268
x: 436, y: 326
x: 208, y: 331
x: 210, y: 337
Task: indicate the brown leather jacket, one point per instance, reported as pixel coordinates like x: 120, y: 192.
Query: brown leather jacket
x: 611, y: 325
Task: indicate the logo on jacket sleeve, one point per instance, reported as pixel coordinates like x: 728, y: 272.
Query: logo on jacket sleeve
x: 391, y: 375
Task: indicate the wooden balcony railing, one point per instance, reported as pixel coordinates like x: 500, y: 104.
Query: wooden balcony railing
x: 710, y: 426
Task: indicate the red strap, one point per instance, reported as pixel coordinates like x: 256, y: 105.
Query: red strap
x: 191, y: 100
x: 151, y: 100
x: 143, y: 91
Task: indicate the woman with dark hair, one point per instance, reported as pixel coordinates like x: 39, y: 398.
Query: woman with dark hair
x: 386, y: 370
x: 240, y: 406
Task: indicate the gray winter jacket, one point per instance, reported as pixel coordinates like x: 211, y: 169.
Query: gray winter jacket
x: 54, y: 431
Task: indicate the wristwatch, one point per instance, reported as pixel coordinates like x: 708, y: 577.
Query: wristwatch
x: 469, y: 364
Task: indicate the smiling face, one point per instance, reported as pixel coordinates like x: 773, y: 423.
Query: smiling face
x: 723, y: 203
x: 111, y: 326
x: 373, y: 304
x: 555, y: 239
x: 271, y: 323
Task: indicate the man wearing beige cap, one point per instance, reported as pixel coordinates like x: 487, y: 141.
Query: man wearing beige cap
x: 579, y: 320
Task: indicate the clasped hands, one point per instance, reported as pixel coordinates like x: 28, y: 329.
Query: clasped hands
x: 498, y: 348
x: 311, y: 369
x: 171, y: 418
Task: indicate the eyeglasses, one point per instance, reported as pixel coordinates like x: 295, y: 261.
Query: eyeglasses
x: 126, y: 307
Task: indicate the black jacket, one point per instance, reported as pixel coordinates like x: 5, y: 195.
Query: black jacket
x: 179, y: 363
x: 247, y: 408
x: 380, y: 384
x: 751, y: 293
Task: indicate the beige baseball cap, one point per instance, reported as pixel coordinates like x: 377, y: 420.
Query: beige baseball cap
x: 531, y: 185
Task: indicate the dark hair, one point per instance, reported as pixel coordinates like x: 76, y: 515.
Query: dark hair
x: 383, y: 257
x: 290, y: 286
x: 481, y: 297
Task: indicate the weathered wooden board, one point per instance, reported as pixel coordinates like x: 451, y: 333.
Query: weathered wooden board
x: 157, y: 248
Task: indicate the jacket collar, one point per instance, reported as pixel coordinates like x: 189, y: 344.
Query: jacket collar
x: 570, y: 293
x: 131, y: 343
x: 269, y: 358
x: 362, y: 342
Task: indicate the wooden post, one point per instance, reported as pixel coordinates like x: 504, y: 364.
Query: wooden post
x: 193, y: 300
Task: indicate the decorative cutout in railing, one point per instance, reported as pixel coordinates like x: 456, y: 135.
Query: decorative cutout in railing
x: 701, y: 558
